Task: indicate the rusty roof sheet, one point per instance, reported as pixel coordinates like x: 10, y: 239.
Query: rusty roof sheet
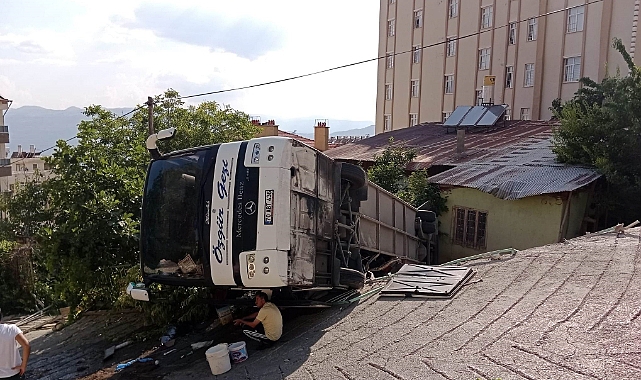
x: 511, y: 182
x: 435, y: 146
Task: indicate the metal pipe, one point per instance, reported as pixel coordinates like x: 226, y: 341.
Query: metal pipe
x: 506, y: 251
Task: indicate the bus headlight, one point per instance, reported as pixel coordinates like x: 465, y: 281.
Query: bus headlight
x: 251, y: 258
x: 266, y: 260
x: 266, y: 270
x: 251, y: 274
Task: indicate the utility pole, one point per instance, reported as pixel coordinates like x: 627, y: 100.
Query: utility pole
x: 150, y: 108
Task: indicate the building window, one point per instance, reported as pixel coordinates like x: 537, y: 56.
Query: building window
x: 449, y: 84
x: 470, y: 227
x: 413, y: 119
x: 446, y: 115
x: 508, y: 113
x: 486, y: 17
x: 387, y: 123
x: 531, y: 29
x: 451, y: 46
x: 415, y: 88
x: 479, y: 97
x: 392, y: 1
x: 391, y: 27
x: 572, y: 70
x: 35, y: 167
x: 575, y: 19
x: 509, y: 76
x: 416, y: 53
x: 388, y: 92
x: 525, y: 114
x: 484, y: 59
x: 418, y: 18
x: 389, y: 59
x: 453, y: 9
x: 529, y: 75
x: 512, y: 34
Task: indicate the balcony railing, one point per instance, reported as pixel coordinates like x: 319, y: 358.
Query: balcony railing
x: 5, y: 161
x: 4, y: 128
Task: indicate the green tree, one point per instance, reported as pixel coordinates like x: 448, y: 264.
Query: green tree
x: 389, y: 172
x: 87, y: 235
x: 601, y: 127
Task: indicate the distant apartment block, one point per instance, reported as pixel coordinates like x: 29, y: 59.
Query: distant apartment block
x: 447, y: 48
x: 5, y: 164
x: 26, y: 166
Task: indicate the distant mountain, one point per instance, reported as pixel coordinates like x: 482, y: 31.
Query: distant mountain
x: 42, y: 127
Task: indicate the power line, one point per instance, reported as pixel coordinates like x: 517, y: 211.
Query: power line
x: 67, y: 140
x: 382, y: 57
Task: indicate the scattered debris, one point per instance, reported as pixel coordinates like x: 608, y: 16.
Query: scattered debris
x: 187, y: 354
x: 427, y: 281
x: 169, y: 352
x: 168, y: 339
x: 224, y: 314
x: 110, y: 351
x: 199, y: 345
x: 122, y: 366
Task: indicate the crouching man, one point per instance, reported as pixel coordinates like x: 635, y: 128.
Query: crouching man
x: 266, y: 323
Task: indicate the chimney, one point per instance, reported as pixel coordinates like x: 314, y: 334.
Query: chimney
x: 321, y: 135
x: 268, y: 128
x: 19, y: 149
x: 32, y: 149
x: 460, y: 141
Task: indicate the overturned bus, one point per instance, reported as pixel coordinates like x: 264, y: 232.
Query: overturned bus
x: 270, y: 213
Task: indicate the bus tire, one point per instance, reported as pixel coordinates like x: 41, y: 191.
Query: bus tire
x: 354, y: 174
x: 353, y: 279
x: 426, y: 215
x: 359, y: 194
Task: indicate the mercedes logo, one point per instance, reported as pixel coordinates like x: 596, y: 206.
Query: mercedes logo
x: 250, y: 208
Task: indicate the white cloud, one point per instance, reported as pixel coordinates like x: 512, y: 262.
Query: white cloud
x: 100, y: 57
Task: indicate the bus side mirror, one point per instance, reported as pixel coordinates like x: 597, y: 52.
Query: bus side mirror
x: 165, y: 134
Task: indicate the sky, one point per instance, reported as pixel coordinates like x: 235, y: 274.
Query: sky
x: 61, y: 53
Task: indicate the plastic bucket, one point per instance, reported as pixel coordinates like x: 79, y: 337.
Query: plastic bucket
x: 218, y: 359
x: 238, y: 352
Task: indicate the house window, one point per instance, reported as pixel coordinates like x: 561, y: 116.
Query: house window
x: 392, y: 1
x: 451, y: 46
x: 413, y: 119
x: 486, y: 17
x: 389, y: 59
x: 416, y: 53
x: 572, y: 69
x: 391, y: 24
x: 484, y: 59
x: 529, y: 75
x: 470, y: 227
x: 531, y: 29
x: 508, y: 113
x: 479, y: 97
x: 446, y: 115
x: 35, y: 167
x: 415, y: 88
x: 512, y: 34
x: 418, y: 18
x: 388, y: 92
x: 453, y: 9
x: 449, y: 84
x: 575, y: 19
x: 387, y: 123
x: 525, y: 114
x: 509, y: 76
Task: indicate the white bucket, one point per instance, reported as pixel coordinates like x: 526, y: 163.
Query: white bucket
x: 218, y: 359
x: 238, y: 352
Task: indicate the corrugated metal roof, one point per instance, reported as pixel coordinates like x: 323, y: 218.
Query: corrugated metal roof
x: 517, y: 181
x: 435, y: 146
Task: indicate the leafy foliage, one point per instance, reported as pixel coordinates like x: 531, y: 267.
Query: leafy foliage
x: 389, y: 171
x: 85, y: 220
x: 601, y: 127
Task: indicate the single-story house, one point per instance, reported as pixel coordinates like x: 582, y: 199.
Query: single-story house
x: 503, y: 185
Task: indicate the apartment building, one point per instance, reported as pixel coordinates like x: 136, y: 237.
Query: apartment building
x: 27, y: 166
x: 5, y: 164
x: 437, y: 54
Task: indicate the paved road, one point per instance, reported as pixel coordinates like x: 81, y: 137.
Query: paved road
x: 563, y: 311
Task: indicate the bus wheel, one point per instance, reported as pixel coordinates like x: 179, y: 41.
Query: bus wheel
x: 353, y: 174
x: 351, y: 278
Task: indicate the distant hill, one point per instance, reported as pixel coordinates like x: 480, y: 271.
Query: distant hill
x: 42, y: 127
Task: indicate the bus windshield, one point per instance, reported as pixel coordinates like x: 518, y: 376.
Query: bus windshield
x: 169, y: 230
